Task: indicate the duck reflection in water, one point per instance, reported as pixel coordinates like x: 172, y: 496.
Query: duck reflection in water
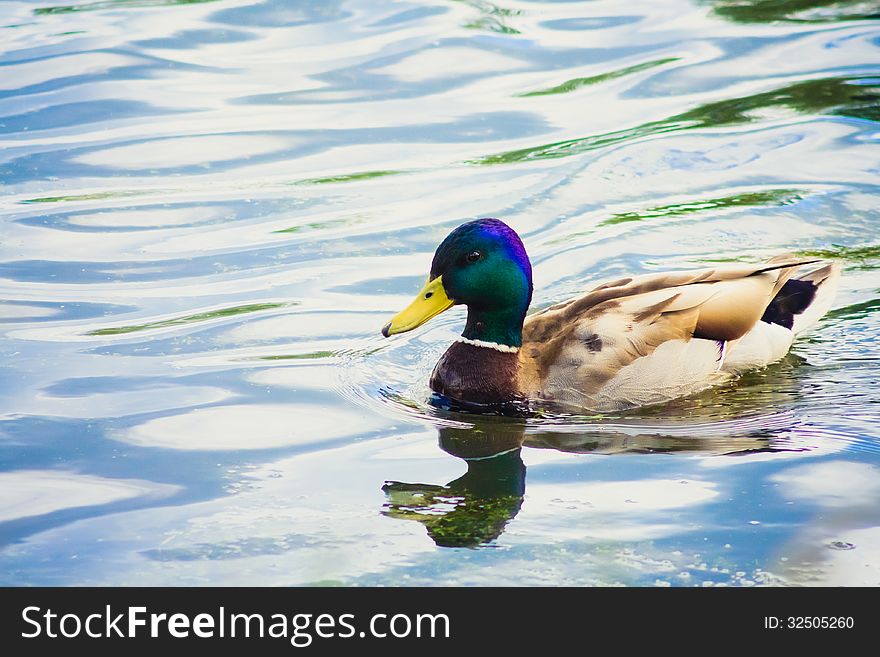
x: 475, y: 509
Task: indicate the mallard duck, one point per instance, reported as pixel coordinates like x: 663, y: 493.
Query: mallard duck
x: 626, y: 343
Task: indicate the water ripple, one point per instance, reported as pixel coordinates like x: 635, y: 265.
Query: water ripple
x: 209, y: 209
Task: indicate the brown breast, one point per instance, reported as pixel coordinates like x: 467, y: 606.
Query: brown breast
x: 479, y: 375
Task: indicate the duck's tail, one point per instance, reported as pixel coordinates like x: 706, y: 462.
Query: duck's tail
x: 804, y: 299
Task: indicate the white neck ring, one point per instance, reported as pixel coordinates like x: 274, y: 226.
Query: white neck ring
x: 504, y: 348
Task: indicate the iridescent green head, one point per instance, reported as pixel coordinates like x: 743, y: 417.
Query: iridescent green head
x: 483, y: 265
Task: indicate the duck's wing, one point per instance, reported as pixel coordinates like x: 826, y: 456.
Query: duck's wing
x: 574, y: 350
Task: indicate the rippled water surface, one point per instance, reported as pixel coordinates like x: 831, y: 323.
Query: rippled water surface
x: 209, y: 208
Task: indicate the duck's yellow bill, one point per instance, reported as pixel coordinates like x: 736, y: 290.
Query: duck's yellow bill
x: 430, y: 302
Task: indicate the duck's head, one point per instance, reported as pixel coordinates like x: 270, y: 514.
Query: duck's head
x: 483, y: 265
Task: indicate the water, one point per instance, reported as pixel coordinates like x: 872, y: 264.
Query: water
x: 209, y: 209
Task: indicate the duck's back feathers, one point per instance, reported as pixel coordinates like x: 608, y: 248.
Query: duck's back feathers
x: 648, y: 339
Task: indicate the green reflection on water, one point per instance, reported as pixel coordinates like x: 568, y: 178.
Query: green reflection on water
x: 349, y: 177
x: 798, y: 11
x: 95, y: 196
x: 306, y: 356
x: 855, y: 310
x: 191, y: 319
x: 766, y: 197
x: 860, y: 257
x: 319, y: 225
x: 855, y: 97
x: 492, y: 17
x: 577, y: 83
x: 114, y: 4
x: 576, y: 146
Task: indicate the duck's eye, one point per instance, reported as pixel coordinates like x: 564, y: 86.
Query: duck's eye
x: 473, y: 256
